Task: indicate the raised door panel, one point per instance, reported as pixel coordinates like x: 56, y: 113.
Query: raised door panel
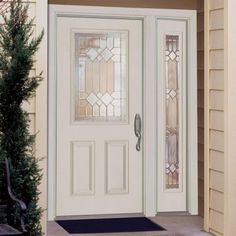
x: 117, y: 166
x: 82, y: 164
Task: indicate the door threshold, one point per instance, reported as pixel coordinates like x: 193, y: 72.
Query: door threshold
x: 174, y: 213
x: 81, y: 217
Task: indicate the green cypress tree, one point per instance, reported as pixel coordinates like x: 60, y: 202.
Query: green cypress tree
x: 17, y: 50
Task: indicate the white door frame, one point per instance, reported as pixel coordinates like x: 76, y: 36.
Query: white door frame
x: 150, y: 149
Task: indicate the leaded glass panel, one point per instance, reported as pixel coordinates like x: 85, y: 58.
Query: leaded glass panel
x: 101, y: 81
x: 172, y: 111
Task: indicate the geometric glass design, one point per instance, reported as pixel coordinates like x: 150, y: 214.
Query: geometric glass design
x: 172, y: 111
x: 101, y: 81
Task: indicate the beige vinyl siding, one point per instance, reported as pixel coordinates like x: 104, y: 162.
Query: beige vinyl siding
x: 216, y: 59
x: 200, y: 58
x: 216, y: 222
x: 217, y: 160
x: 216, y: 18
x: 216, y: 140
x: 217, y: 120
x: 214, y: 116
x: 216, y: 181
x: 216, y: 201
x: 217, y: 77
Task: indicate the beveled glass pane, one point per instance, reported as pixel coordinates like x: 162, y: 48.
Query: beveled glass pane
x: 101, y: 82
x: 172, y: 112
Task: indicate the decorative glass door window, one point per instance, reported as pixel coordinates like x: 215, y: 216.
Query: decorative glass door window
x: 172, y: 45
x: 172, y: 65
x: 101, y: 78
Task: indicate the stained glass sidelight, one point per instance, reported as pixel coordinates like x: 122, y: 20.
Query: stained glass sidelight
x: 172, y: 111
x: 101, y: 82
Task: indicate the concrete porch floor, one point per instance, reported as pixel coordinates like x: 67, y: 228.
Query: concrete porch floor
x: 176, y: 225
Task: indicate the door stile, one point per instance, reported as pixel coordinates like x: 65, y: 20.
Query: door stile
x: 149, y: 108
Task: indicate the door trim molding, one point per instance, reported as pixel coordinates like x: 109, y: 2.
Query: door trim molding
x: 149, y: 17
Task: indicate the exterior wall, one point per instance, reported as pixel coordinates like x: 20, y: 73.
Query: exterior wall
x: 37, y: 106
x: 200, y: 55
x: 180, y: 4
x: 230, y: 118
x: 214, y: 117
x: 40, y: 102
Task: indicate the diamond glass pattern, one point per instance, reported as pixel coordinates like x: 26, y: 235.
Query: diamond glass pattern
x: 101, y: 82
x: 92, y: 54
x: 106, y: 98
x: 172, y: 112
x: 92, y: 98
x: 106, y: 54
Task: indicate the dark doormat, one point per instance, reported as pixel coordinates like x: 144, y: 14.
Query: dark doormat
x: 115, y: 225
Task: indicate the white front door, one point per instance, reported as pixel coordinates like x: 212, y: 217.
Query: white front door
x: 99, y: 92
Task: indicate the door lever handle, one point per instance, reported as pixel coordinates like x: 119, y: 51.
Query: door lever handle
x: 137, y: 130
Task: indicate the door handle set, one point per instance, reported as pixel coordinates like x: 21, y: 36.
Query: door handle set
x: 138, y: 130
